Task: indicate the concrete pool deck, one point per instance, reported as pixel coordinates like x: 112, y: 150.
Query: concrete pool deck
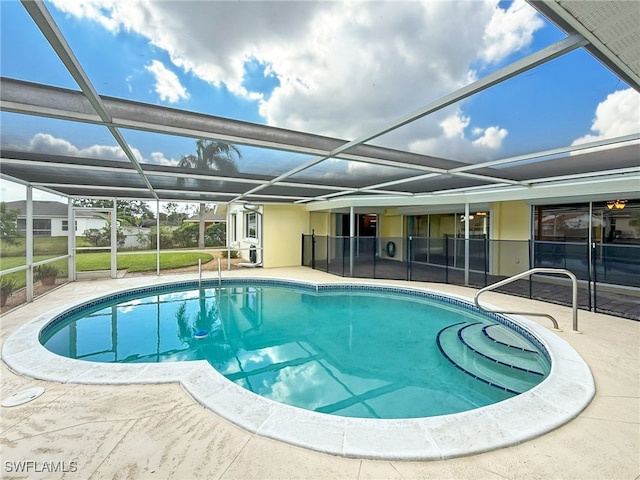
x: 159, y: 431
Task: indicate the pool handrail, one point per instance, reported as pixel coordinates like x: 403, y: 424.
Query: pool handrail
x: 528, y: 273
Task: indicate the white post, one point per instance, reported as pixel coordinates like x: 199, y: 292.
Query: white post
x: 71, y: 240
x: 157, y: 237
x: 352, y: 230
x: 29, y: 241
x: 114, y: 239
x: 228, y: 235
x: 466, y: 243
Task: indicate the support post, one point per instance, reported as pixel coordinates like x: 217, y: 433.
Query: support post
x: 71, y: 241
x: 352, y: 232
x: 29, y: 246
x: 466, y: 244
x: 114, y: 239
x: 157, y: 237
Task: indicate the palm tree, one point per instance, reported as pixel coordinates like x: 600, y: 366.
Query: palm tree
x: 211, y: 155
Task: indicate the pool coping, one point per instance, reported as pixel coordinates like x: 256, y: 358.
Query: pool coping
x: 558, y: 399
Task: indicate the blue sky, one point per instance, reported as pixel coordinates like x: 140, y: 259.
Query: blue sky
x: 341, y: 69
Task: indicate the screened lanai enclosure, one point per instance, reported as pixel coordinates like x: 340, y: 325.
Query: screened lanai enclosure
x: 358, y: 138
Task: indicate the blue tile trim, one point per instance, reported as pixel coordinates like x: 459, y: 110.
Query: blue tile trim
x: 459, y: 367
x: 499, y: 362
x: 489, y: 337
x: 340, y: 287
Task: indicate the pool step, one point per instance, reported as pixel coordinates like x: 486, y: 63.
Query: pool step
x: 510, y: 350
x: 512, y: 367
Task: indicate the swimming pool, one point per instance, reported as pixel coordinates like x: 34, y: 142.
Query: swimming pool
x: 361, y: 351
x: 560, y: 397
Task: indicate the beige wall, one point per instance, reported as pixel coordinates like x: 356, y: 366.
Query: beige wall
x: 283, y: 229
x: 284, y: 225
x: 391, y: 223
x: 392, y: 229
x: 511, y: 222
x: 319, y: 223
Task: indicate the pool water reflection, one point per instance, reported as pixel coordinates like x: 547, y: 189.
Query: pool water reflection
x: 357, y: 353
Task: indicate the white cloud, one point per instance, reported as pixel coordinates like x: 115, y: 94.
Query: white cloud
x: 454, y: 125
x: 345, y: 68
x: 491, y: 138
x: 47, y: 143
x: 481, y: 143
x: 167, y: 85
x: 159, y: 159
x: 11, y: 192
x: 617, y: 115
x: 510, y: 30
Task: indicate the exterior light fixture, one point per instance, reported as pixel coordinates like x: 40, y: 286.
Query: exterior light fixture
x: 617, y: 204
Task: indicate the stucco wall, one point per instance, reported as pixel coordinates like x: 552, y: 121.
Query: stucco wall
x: 391, y: 222
x: 283, y: 229
x: 511, y: 222
x: 319, y: 223
x: 391, y: 231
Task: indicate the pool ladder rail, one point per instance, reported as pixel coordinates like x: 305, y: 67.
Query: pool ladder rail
x: 528, y: 273
x: 200, y: 273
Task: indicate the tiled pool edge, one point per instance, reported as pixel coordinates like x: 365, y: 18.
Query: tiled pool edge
x: 557, y: 400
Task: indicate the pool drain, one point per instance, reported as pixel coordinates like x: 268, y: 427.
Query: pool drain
x: 22, y: 397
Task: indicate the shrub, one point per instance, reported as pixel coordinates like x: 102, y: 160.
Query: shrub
x: 7, y: 285
x: 46, y: 271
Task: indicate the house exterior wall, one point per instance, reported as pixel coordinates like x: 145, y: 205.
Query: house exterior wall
x: 283, y: 229
x: 83, y: 223
x: 391, y: 228
x: 511, y: 221
x: 319, y: 223
x: 56, y: 227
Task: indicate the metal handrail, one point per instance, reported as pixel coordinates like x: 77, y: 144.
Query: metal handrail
x: 506, y: 281
x: 219, y: 274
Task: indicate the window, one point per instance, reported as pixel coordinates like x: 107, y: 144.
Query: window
x: 65, y: 226
x: 562, y: 223
x: 251, y: 225
x: 41, y: 227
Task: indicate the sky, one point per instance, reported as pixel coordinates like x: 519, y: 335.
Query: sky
x: 335, y: 68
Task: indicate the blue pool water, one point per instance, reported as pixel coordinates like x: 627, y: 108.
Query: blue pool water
x: 360, y: 352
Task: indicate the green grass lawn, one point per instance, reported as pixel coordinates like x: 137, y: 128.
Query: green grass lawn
x: 132, y: 262
x: 140, y: 262
x: 45, y: 246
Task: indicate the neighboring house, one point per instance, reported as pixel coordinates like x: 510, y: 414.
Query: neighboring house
x: 218, y: 215
x: 50, y: 219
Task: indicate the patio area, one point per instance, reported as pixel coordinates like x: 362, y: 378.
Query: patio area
x: 159, y: 431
